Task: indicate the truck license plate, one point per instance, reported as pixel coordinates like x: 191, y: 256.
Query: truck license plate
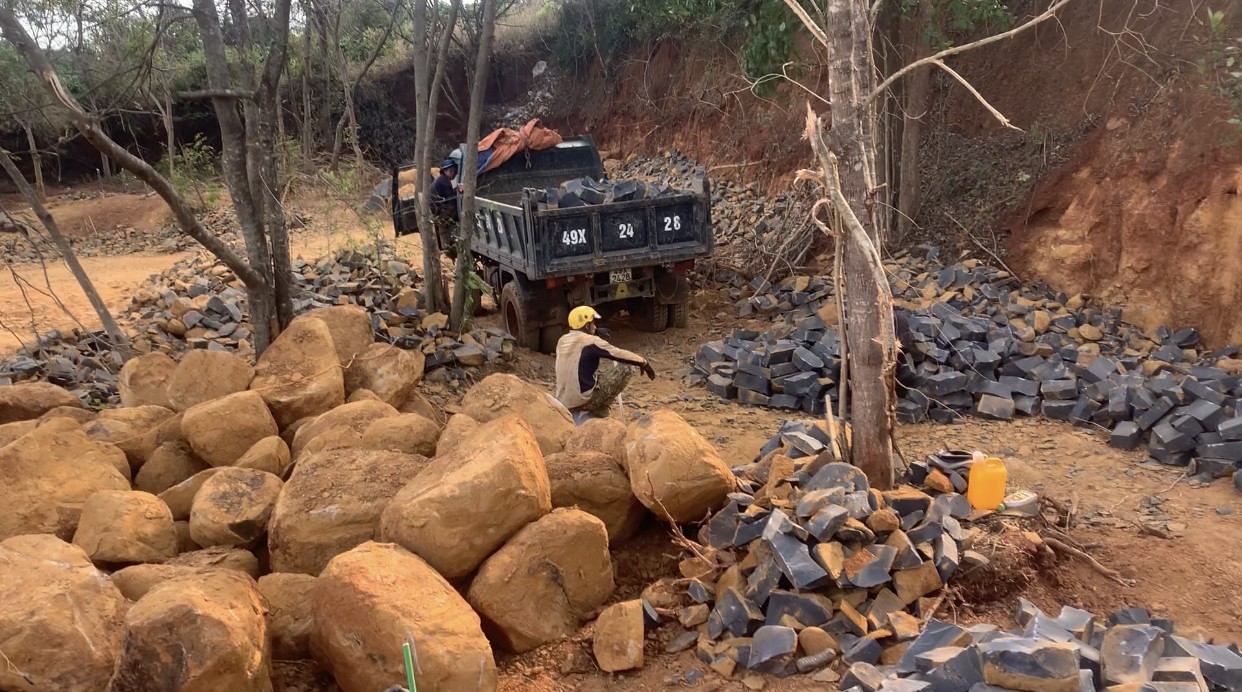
x: 620, y: 276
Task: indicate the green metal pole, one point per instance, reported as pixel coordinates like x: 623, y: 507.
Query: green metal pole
x: 409, y: 667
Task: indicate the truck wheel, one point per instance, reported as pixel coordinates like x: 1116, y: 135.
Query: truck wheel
x: 548, y: 338
x: 679, y: 315
x: 652, y: 316
x: 514, y: 311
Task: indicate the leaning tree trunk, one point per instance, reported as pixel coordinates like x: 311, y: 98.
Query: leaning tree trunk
x: 36, y: 161
x: 111, y: 328
x: 470, y: 174
x: 868, y: 301
x: 434, y: 298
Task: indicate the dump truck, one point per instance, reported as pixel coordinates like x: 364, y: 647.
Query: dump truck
x: 543, y: 251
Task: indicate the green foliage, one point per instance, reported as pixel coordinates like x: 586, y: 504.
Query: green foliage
x: 195, y: 167
x: 946, y: 17
x: 1221, y: 68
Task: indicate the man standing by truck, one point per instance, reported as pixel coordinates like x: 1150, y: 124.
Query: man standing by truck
x: 444, y: 204
x: 585, y: 388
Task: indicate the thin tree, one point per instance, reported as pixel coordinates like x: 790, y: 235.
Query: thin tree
x: 248, y: 156
x: 470, y: 168
x: 847, y: 159
x: 111, y: 328
x: 350, y: 87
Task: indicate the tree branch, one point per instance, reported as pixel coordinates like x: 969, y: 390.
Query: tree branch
x: 811, y: 26
x: 955, y: 50
x: 979, y: 97
x: 34, y: 57
x: 236, y: 94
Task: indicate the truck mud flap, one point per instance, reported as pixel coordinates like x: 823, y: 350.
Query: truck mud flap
x: 672, y: 288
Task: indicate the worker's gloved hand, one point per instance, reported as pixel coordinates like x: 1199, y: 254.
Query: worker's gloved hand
x: 648, y: 371
x: 602, y: 332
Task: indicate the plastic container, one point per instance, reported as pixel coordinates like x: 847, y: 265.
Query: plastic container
x: 986, y: 486
x: 1023, y: 503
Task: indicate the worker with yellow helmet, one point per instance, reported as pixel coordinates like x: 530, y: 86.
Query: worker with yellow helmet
x: 582, y: 385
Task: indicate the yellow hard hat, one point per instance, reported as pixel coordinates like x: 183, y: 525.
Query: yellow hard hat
x: 581, y: 316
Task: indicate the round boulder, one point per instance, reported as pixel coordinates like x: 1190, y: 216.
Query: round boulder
x: 459, y: 427
x: 136, y: 580
x: 29, y: 400
x: 350, y: 327
x: 235, y: 559
x: 370, y: 599
x: 604, y: 435
x: 596, y: 484
x: 332, y: 503
x: 126, y: 527
x: 170, y: 464
x: 355, y: 417
x: 60, y: 617
x: 136, y: 431
x: 216, y: 623
x: 676, y: 473
x: 289, y: 601
x: 48, y: 474
x: 180, y: 497
x: 143, y: 381
x: 233, y: 506
x: 408, y: 433
x: 550, y: 577
x: 391, y: 373
x: 299, y: 374
x: 222, y: 430
x: 467, y: 503
x: 205, y: 375
x: 502, y: 394
x: 270, y: 454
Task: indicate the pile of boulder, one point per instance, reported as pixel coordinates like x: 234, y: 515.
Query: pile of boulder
x: 198, y: 304
x: 313, y: 506
x: 977, y: 341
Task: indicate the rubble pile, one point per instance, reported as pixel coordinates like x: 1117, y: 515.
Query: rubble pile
x: 977, y: 341
x: 198, y: 304
x: 808, y: 570
x: 820, y: 565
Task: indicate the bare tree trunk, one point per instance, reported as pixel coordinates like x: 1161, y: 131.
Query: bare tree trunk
x: 170, y: 131
x: 119, y: 340
x: 917, y: 88
x: 350, y: 116
x: 36, y: 162
x: 469, y: 171
x: 324, y: 79
x: 851, y: 76
x: 16, y: 35
x: 424, y: 127
x: 308, y: 145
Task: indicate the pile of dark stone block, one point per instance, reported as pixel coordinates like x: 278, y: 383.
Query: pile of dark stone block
x: 977, y: 341
x: 587, y: 191
x: 199, y: 304
x: 825, y: 576
x: 821, y: 565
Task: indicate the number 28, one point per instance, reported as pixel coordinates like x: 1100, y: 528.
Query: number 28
x: 672, y: 223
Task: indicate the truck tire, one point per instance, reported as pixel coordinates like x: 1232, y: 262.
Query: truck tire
x: 679, y: 315
x: 513, y: 309
x: 548, y: 338
x: 652, y: 316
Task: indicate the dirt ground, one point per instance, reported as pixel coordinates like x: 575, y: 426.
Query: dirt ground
x: 1190, y: 577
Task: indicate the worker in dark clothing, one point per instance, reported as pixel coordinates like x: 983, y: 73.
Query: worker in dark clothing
x: 444, y: 205
x: 582, y: 385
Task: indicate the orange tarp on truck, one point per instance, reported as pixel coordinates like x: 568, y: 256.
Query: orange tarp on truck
x: 504, y: 143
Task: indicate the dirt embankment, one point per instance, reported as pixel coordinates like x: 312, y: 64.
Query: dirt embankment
x: 1143, y: 212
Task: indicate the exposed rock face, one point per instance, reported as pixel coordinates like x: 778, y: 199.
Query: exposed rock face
x: 29, y: 400
x: 233, y: 507
x: 126, y: 527
x: 502, y: 395
x: 299, y: 375
x: 596, y: 484
x: 222, y: 430
x: 676, y: 473
x: 204, y: 375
